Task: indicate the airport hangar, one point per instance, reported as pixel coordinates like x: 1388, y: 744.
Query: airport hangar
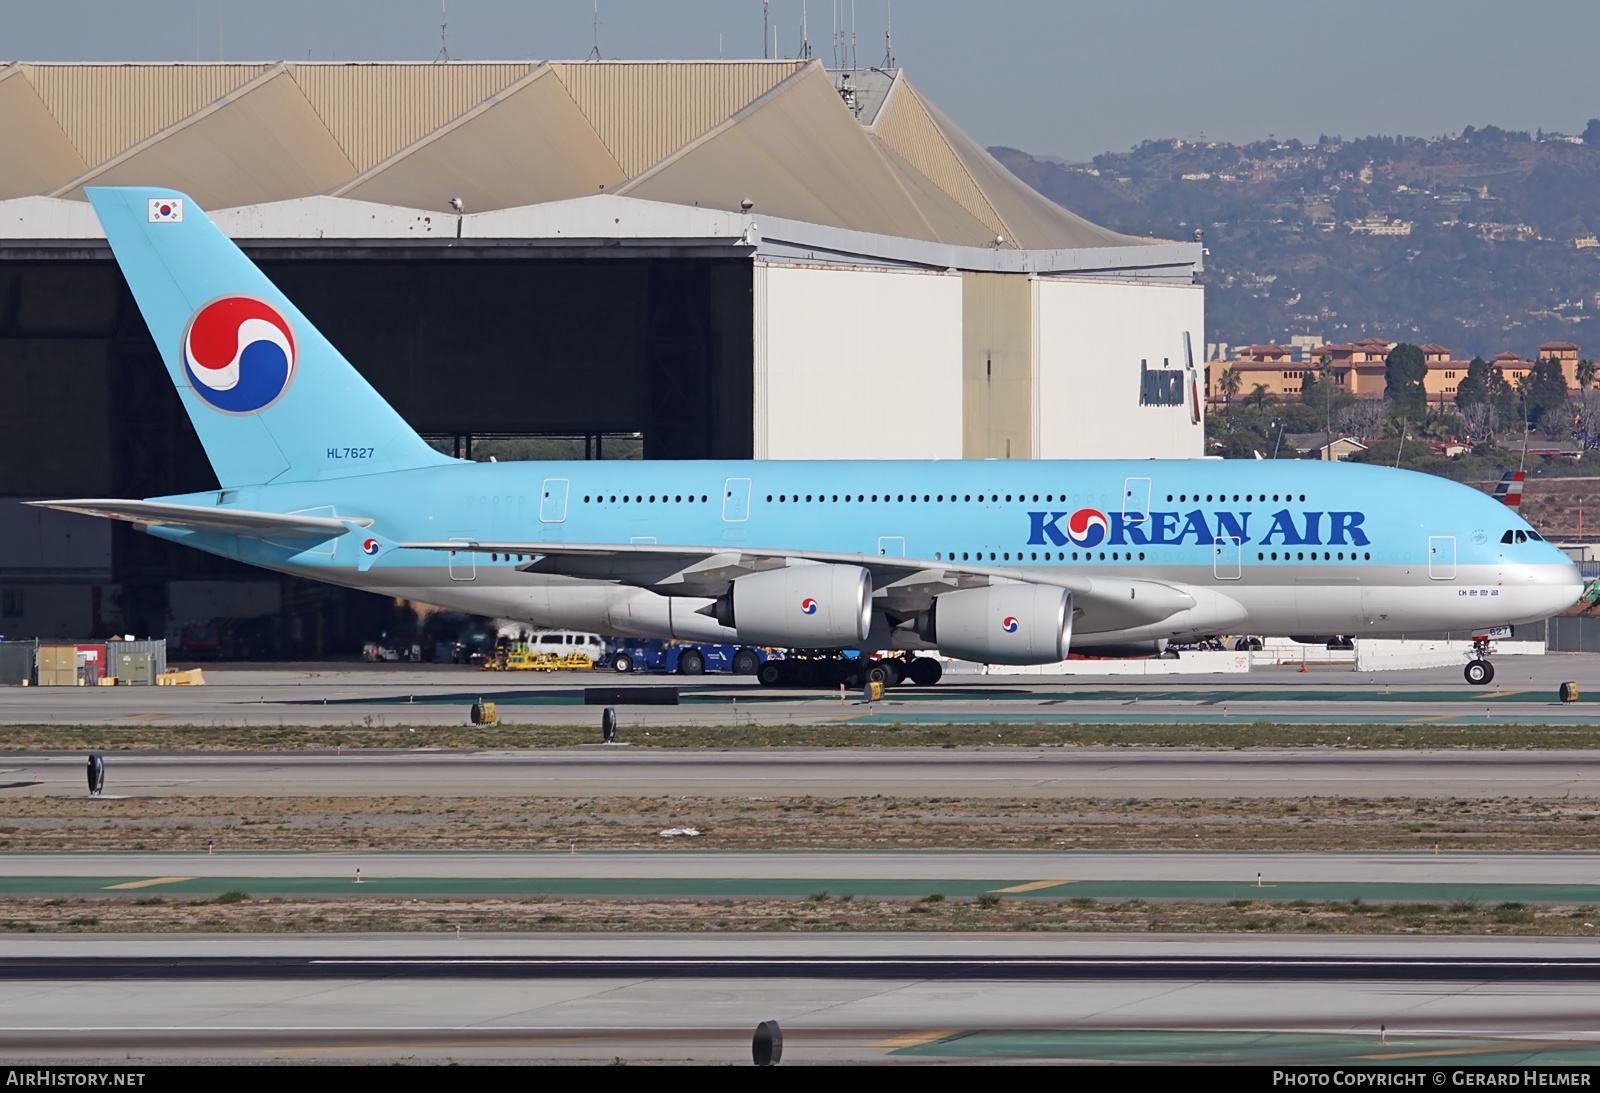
x: 891, y: 291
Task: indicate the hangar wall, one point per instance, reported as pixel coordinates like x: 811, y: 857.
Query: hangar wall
x: 856, y: 363
x: 1089, y: 337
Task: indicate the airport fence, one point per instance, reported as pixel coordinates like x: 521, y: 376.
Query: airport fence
x: 1571, y: 634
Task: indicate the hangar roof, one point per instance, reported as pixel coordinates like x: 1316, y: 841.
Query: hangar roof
x: 500, y: 136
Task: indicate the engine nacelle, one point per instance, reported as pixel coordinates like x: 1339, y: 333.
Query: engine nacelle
x: 800, y: 607
x: 1003, y: 624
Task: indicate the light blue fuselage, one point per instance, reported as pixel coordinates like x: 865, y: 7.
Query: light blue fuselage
x: 1322, y: 548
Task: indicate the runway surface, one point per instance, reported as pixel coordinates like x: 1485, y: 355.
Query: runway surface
x: 880, y: 997
x: 1524, y: 692
x: 678, y: 873
x: 1002, y: 772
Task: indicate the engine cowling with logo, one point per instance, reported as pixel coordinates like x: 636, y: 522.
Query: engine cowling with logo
x: 1004, y: 624
x: 801, y: 607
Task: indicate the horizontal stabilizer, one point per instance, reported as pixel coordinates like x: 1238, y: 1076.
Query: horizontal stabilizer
x: 240, y: 522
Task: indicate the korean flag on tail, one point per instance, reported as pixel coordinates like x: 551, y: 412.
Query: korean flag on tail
x: 166, y: 210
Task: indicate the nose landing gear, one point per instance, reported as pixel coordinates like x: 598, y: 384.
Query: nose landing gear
x: 1479, y: 671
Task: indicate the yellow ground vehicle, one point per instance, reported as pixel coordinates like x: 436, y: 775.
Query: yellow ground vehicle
x: 522, y: 656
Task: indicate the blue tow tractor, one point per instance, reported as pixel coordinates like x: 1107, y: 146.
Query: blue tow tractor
x: 685, y: 658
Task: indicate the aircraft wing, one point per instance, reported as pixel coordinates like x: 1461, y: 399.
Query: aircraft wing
x: 907, y: 585
x: 241, y: 522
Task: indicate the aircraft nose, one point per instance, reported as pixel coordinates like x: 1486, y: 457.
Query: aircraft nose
x: 1549, y: 589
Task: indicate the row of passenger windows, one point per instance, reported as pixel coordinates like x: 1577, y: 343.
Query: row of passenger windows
x: 1300, y: 556
x: 1060, y: 556
x: 991, y: 497
x: 1223, y: 497
x: 631, y: 499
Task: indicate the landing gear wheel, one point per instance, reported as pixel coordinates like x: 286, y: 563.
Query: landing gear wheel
x: 1479, y: 672
x: 691, y: 662
x: 622, y: 663
x: 925, y: 671
x: 746, y: 662
x: 770, y: 674
x: 886, y: 672
x: 1247, y: 645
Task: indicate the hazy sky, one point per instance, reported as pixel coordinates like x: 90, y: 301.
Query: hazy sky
x: 1062, y: 78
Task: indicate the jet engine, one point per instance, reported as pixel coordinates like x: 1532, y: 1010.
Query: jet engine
x: 800, y: 607
x: 1002, y: 624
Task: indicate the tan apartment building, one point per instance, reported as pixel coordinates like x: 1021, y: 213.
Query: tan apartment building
x: 1359, y: 369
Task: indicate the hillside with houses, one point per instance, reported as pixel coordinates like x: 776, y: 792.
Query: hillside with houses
x: 1485, y: 241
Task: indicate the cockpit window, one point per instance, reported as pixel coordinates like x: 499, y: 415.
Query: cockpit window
x: 1522, y: 537
x: 1506, y: 538
x: 1535, y: 536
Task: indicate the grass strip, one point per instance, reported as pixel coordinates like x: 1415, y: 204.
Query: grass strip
x: 1230, y: 735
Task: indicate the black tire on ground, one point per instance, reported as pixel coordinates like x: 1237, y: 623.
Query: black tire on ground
x: 1479, y: 672
x: 622, y: 662
x: 886, y: 672
x: 925, y: 671
x: 805, y: 673
x: 691, y: 662
x: 746, y: 662
x: 770, y: 674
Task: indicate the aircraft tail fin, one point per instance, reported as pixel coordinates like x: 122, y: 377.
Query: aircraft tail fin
x: 270, y: 397
x: 1509, y: 489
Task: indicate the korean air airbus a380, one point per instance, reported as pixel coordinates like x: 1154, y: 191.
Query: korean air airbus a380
x: 1000, y: 562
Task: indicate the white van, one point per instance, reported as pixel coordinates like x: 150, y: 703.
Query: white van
x: 566, y: 642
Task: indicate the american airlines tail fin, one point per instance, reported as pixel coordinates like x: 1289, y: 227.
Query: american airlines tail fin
x: 1509, y: 489
x: 271, y: 399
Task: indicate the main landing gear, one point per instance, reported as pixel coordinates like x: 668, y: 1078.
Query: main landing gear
x: 1479, y: 670
x: 831, y: 671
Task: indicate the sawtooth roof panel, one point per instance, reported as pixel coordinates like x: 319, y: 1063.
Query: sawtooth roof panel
x: 1034, y: 221
x: 106, y: 109
x: 645, y: 111
x: 950, y: 222
x: 38, y: 156
x: 262, y: 143
x: 512, y: 134
x: 905, y: 127
x: 527, y: 145
x: 797, y: 153
x: 374, y: 110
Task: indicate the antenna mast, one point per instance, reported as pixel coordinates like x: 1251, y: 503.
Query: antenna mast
x: 594, y: 54
x: 805, y: 34
x: 888, y: 36
x: 766, y: 31
x: 853, y: 62
x: 444, y: 51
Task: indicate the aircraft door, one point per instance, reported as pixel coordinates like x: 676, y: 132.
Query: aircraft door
x: 1227, y: 558
x: 1442, y: 557
x: 463, y: 563
x: 892, y: 546
x: 1135, y: 500
x: 736, y: 500
x: 553, y: 501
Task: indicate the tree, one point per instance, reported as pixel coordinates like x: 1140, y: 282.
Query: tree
x: 1545, y: 388
x: 1473, y: 390
x: 1585, y: 370
x: 1229, y: 383
x: 1591, y: 135
x: 1259, y: 394
x: 1404, y: 370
